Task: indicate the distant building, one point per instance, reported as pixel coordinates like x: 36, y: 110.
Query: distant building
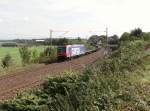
x: 40, y: 40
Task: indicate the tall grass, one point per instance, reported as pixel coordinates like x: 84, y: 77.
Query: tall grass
x: 14, y: 52
x: 34, y: 57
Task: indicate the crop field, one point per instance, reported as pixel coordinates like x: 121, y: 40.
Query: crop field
x: 14, y: 52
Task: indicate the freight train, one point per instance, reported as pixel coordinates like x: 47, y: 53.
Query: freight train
x: 69, y: 51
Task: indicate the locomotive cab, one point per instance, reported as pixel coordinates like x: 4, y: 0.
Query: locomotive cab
x: 61, y: 52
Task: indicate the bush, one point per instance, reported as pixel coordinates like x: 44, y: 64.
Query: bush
x: 25, y: 55
x: 135, y: 34
x: 7, y: 61
x: 48, y: 55
x: 146, y: 36
x: 34, y: 56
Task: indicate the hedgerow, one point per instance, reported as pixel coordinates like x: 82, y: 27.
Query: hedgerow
x: 107, y: 85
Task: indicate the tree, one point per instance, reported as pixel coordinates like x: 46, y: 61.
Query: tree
x: 79, y: 39
x: 96, y: 40
x: 125, y: 36
x: 63, y: 41
x: 113, y: 39
x: 133, y: 35
x: 136, y: 33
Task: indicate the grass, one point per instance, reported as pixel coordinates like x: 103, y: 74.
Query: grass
x: 14, y: 52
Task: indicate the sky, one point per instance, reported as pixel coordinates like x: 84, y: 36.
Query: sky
x: 34, y: 18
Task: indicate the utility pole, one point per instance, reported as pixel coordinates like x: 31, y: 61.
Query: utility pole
x: 106, y: 36
x: 51, y: 34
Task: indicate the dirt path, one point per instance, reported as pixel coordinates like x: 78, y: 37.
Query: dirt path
x: 11, y: 84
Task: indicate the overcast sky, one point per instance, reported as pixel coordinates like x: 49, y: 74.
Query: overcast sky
x: 34, y: 18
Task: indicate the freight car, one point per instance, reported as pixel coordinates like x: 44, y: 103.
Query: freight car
x: 69, y: 51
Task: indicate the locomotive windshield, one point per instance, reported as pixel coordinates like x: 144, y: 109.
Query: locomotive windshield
x: 61, y: 49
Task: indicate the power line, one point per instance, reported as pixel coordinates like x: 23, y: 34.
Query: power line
x: 51, y: 34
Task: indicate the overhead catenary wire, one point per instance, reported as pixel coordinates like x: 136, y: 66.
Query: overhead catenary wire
x: 52, y: 34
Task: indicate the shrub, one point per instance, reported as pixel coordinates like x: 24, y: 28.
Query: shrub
x: 146, y: 36
x: 125, y: 36
x: 34, y: 56
x: 7, y: 61
x: 25, y: 55
x: 48, y: 55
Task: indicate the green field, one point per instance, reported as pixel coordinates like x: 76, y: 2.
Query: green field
x: 14, y: 52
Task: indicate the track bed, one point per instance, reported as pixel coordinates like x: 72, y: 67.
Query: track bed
x: 12, y: 84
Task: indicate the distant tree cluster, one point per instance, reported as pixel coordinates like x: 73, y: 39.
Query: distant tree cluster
x: 55, y: 41
x: 60, y: 41
x: 9, y: 44
x: 135, y: 34
x: 113, y: 39
x: 96, y: 40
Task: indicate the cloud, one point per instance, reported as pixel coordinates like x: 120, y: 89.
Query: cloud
x: 38, y: 16
x: 26, y: 19
x: 1, y: 20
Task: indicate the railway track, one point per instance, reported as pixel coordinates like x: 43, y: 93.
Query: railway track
x: 12, y: 84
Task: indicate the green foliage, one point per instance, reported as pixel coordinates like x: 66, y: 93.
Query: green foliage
x: 113, y: 39
x: 107, y: 85
x: 17, y: 61
x: 96, y: 40
x: 7, y: 61
x: 135, y: 34
x: 48, y: 55
x: 77, y: 41
x: 34, y: 56
x: 60, y: 41
x: 25, y: 55
x: 146, y: 36
x: 125, y: 36
x: 63, y: 41
x: 89, y: 47
x: 11, y: 44
x: 47, y: 51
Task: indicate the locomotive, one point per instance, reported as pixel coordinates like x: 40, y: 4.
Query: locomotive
x: 69, y: 51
